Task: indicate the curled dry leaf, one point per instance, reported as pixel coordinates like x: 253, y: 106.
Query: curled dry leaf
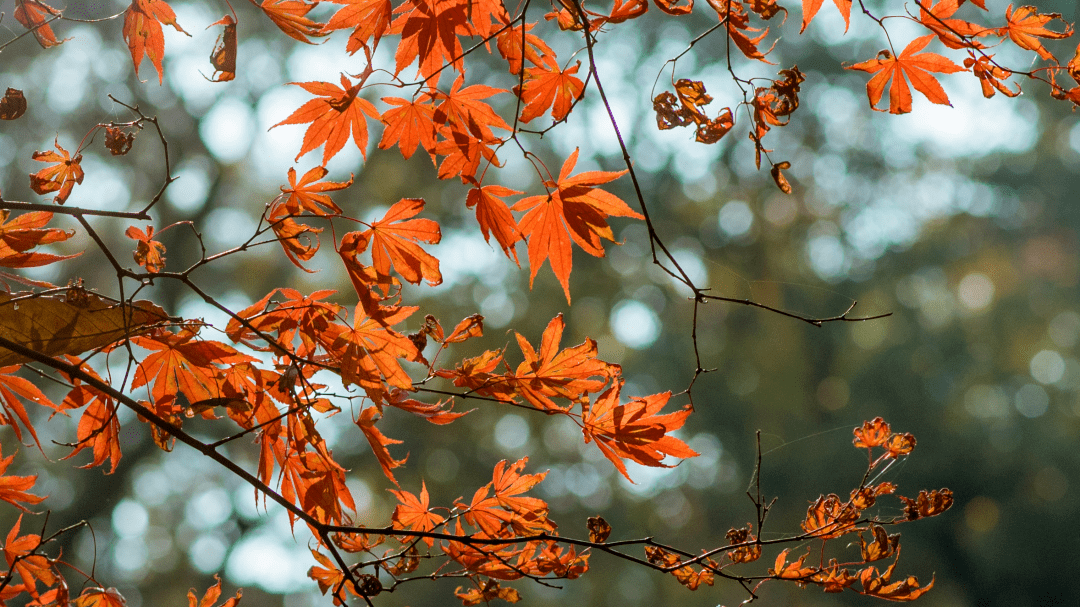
x: 223, y: 57
x: 779, y: 178
x: 927, y: 504
x: 12, y: 104
x: 599, y: 529
x: 743, y: 554
x: 118, y: 141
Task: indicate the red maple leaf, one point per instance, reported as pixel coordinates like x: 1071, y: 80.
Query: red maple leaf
x: 574, y: 210
x: 337, y: 112
x: 908, y: 65
x: 143, y: 33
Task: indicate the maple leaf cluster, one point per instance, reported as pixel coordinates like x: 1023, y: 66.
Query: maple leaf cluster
x: 256, y: 378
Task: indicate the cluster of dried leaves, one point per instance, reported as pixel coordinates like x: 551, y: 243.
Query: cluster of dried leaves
x: 500, y: 534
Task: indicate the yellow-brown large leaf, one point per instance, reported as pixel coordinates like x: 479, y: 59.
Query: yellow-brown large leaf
x: 74, y: 324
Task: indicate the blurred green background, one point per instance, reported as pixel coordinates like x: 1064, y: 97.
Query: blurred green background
x: 960, y: 221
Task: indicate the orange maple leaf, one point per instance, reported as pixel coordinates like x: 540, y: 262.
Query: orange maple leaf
x: 333, y: 115
x: 32, y: 568
x: 927, y: 503
x: 13, y: 488
x: 308, y: 195
x: 394, y: 242
x: 429, y: 33
x: 415, y: 514
x: 211, y: 596
x: 291, y: 235
x: 379, y: 442
x: 908, y: 65
x: 793, y: 570
x: 517, y: 47
x: 486, y: 592
x: 499, y: 507
x: 149, y: 253
x: 369, y: 351
x: 291, y: 18
x: 408, y: 125
x: 953, y: 33
x: 553, y: 374
x: 24, y: 232
x: 576, y: 210
x: 882, y: 586
x: 143, y: 34
x: 874, y: 433
x: 370, y: 19
x: 1026, y: 26
x: 13, y: 390
x: 990, y: 76
x: 635, y: 431
x: 829, y: 517
x: 100, y: 597
x: 462, y: 110
x: 35, y: 15
x: 810, y: 9
x: 181, y: 363
x: 494, y: 216
x: 548, y: 87
x: 99, y: 427
x: 60, y: 177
